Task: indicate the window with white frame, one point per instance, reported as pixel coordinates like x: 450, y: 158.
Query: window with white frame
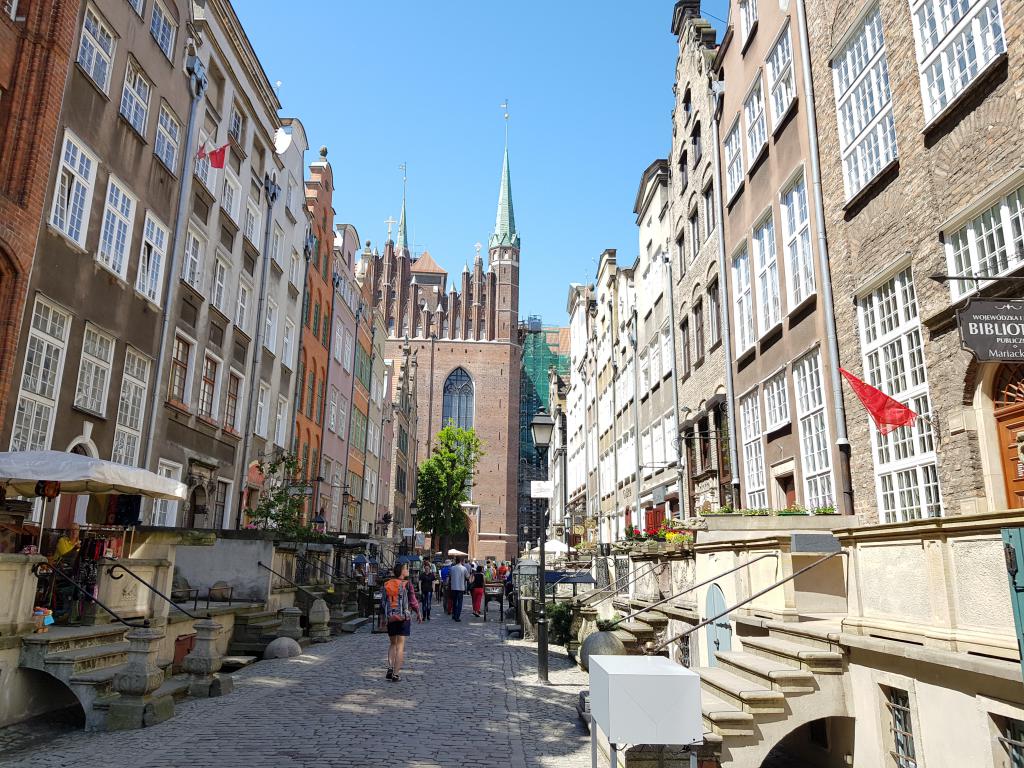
x: 990, y: 244
x: 281, y: 421
x: 192, y: 262
x: 41, y: 377
x: 753, y: 114
x: 295, y: 274
x: 118, y: 223
x: 220, y: 285
x: 262, y: 406
x: 236, y: 124
x: 342, y: 415
x: 694, y: 234
x: 242, y: 307
x: 906, y: 466
x: 733, y: 161
x: 168, y: 137
x: 291, y: 196
x: 137, y: 5
x: 209, y: 384
x: 233, y: 401
x: 337, y: 339
x: 165, y: 512
x: 94, y: 371
x: 667, y: 357
x: 796, y: 233
x: 181, y: 370
x: 901, y: 729
x: 287, y: 343
x: 867, y: 130
x: 645, y: 374
x: 748, y: 18
x: 780, y: 76
x: 72, y: 196
x: 815, y: 460
x: 231, y: 199
x: 753, y: 452
x: 10, y: 8
x: 131, y: 409
x: 709, y: 211
x: 769, y: 309
x: 270, y: 328
x: 654, y: 355
x: 96, y: 48
x: 776, y: 402
x: 252, y: 222
x: 671, y: 441
x: 276, y: 240
x: 332, y: 410
x: 152, y: 256
x: 202, y: 164
x: 135, y: 97
x: 349, y: 351
x: 163, y: 28
x: 956, y: 40
x: 744, y: 308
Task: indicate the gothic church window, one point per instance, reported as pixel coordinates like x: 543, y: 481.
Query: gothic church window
x: 458, y: 401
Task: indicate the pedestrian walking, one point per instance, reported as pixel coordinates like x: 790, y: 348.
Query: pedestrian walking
x: 458, y: 578
x: 427, y: 579
x: 478, y: 590
x: 503, y: 571
x: 445, y: 586
x: 399, y: 602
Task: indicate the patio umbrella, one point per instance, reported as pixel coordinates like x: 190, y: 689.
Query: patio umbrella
x: 21, y: 471
x: 457, y: 553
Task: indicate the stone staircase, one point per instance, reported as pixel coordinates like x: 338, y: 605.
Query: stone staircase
x: 253, y: 632
x: 86, y: 660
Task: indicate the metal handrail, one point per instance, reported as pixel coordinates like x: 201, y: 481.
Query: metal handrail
x: 629, y: 580
x: 651, y: 649
x: 323, y: 567
x: 87, y: 594
x: 282, y: 576
x: 691, y: 588
x: 118, y: 564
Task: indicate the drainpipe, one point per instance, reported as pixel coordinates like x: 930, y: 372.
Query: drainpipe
x: 197, y: 84
x: 634, y: 342
x: 351, y: 407
x: 828, y: 306
x: 675, y: 387
x: 723, y: 282
x: 272, y: 191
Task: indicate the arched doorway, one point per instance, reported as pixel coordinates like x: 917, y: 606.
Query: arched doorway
x: 719, y: 632
x: 823, y: 743
x: 1008, y: 411
x: 198, y: 509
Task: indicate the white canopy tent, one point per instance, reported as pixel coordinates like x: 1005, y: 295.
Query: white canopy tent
x: 551, y: 547
x: 457, y: 553
x: 21, y: 471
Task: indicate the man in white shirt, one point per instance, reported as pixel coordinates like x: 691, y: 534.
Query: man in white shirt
x: 458, y: 577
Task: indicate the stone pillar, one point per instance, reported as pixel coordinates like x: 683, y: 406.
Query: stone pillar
x: 319, y: 619
x: 204, y: 661
x: 588, y: 623
x: 137, y: 705
x: 290, y: 623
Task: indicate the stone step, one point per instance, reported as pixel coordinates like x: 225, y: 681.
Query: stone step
x: 100, y: 681
x: 758, y: 669
x: 61, y: 639
x: 69, y: 664
x: 628, y: 639
x: 353, y: 624
x: 794, y: 632
x: 639, y: 629
x: 740, y: 692
x: 234, y: 663
x: 811, y: 659
x: 723, y: 718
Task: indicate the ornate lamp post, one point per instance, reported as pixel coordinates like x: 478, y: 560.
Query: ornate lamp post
x: 541, y: 427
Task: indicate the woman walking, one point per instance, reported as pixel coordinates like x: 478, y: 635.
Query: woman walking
x: 477, y: 581
x: 399, y: 602
x: 427, y: 579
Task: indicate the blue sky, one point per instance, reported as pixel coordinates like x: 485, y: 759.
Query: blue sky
x: 590, y: 92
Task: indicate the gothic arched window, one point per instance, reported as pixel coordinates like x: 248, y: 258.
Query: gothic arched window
x: 458, y: 400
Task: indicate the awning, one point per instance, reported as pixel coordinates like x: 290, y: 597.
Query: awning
x: 408, y: 559
x: 20, y: 471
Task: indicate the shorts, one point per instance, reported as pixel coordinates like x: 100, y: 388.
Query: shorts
x: 400, y: 628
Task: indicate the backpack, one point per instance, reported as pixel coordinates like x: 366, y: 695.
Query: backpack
x: 394, y: 601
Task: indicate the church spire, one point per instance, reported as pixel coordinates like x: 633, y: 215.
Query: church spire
x: 403, y: 238
x: 505, y: 233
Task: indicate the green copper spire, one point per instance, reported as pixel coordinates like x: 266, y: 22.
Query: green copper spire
x: 505, y: 233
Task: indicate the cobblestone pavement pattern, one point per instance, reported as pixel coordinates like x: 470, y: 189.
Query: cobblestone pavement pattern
x: 467, y: 698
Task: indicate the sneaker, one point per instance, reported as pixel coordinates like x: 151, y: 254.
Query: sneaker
x: 391, y: 674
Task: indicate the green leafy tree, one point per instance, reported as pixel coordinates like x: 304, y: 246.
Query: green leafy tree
x: 281, y: 507
x: 443, y: 482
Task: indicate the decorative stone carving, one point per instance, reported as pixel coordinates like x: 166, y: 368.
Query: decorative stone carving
x: 319, y: 621
x: 137, y: 705
x: 290, y: 623
x: 204, y: 661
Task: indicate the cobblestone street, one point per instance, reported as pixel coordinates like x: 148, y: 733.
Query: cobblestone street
x: 467, y: 698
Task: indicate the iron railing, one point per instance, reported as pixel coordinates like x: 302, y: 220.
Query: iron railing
x: 614, y: 586
x: 285, y: 578
x: 87, y: 594
x: 118, y: 565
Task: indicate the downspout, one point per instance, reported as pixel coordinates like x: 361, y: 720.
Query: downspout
x: 351, y: 407
x: 197, y: 84
x: 828, y: 306
x: 675, y: 386
x: 272, y: 191
x: 723, y: 282
x: 634, y: 342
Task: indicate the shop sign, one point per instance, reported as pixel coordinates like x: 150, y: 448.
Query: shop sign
x: 993, y: 329
x: 542, y: 489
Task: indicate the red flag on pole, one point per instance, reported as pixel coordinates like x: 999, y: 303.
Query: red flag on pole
x: 217, y: 156
x: 888, y: 414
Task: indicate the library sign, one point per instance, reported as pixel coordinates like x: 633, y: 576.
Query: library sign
x: 993, y: 329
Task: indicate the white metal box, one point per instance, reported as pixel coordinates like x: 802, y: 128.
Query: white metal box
x: 645, y: 700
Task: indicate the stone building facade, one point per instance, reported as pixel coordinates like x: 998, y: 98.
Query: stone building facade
x: 700, y: 284
x: 581, y: 411
x: 468, y: 356
x: 790, y: 417
x: 37, y: 41
x: 926, y: 180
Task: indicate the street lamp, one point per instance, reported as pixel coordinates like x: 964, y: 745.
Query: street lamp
x: 541, y: 427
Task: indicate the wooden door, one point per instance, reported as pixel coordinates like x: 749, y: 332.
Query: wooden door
x: 719, y: 632
x: 1008, y: 396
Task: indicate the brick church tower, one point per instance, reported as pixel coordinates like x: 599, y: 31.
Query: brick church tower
x: 465, y: 341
